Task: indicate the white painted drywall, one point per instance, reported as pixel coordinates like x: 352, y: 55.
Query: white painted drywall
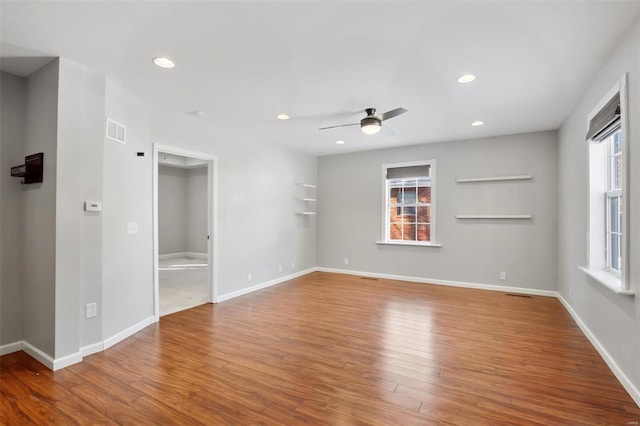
x: 172, y: 210
x: 39, y: 214
x: 257, y: 226
x: 613, y: 319
x: 127, y: 260
x: 12, y: 126
x: 78, y: 233
x: 197, y: 210
x: 474, y: 251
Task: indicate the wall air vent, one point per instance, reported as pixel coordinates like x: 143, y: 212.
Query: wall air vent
x: 115, y: 131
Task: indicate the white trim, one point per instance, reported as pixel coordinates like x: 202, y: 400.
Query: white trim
x: 10, y: 348
x: 384, y: 231
x: 494, y: 216
x: 494, y: 178
x: 212, y: 218
x: 307, y: 185
x: 67, y: 360
x: 608, y: 279
x: 190, y: 254
x: 92, y: 349
x: 118, y: 337
x: 38, y: 355
x: 492, y: 287
x: 409, y: 243
x: 613, y: 365
x: 263, y: 285
x: 306, y: 213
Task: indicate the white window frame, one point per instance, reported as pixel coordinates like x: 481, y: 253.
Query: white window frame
x: 384, y: 232
x: 598, y: 266
x: 611, y: 194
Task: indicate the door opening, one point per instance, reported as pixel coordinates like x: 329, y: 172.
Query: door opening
x: 184, y: 229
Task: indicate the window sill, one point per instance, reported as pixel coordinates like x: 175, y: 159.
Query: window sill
x: 409, y: 243
x: 608, y: 280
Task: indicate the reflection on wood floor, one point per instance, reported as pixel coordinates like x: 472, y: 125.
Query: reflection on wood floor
x: 335, y: 350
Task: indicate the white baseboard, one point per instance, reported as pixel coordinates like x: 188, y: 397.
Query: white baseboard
x: 10, y: 348
x: 260, y: 286
x: 92, y: 349
x: 613, y: 365
x: 40, y: 356
x: 128, y: 332
x: 190, y: 254
x: 67, y: 360
x: 480, y: 286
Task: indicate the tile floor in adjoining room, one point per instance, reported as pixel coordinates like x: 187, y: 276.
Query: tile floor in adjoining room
x: 183, y: 284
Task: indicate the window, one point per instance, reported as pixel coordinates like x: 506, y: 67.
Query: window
x: 409, y: 207
x: 608, y: 191
x: 613, y: 203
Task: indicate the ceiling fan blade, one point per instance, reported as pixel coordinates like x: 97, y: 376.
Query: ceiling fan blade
x: 390, y: 114
x: 388, y: 131
x: 339, y: 125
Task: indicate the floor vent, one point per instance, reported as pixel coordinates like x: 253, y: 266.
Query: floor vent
x: 369, y: 278
x: 520, y: 295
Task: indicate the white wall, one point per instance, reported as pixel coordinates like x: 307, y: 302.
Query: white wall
x: 78, y: 233
x: 473, y: 251
x: 614, y: 320
x: 197, y: 210
x: 172, y: 210
x: 12, y: 126
x: 39, y: 214
x: 257, y: 226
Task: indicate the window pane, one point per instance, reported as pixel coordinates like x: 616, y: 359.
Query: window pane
x: 614, y: 257
x: 409, y: 231
x: 614, y: 214
x: 394, y: 194
x: 617, y: 174
x: 409, y: 214
x: 424, y: 232
x: 407, y: 183
x: 409, y: 195
x: 424, y: 194
x: 395, y: 231
x: 395, y: 214
x: 424, y: 214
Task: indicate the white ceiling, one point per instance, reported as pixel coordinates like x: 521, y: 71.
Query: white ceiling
x: 323, y: 63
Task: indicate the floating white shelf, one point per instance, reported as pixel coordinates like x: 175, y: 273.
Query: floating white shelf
x: 306, y: 213
x: 306, y: 185
x: 494, y: 178
x: 306, y: 199
x: 494, y: 216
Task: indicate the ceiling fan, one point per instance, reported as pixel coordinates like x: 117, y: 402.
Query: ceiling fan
x: 372, y: 123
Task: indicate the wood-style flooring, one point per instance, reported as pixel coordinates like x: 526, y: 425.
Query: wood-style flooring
x: 329, y: 349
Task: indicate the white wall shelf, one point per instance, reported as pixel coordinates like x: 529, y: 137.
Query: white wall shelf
x: 304, y: 199
x: 494, y: 216
x: 494, y: 178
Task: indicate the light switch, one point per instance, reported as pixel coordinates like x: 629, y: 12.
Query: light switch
x: 92, y: 206
x: 132, y: 228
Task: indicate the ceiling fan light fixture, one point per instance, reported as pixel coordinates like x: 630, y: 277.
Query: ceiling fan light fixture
x: 370, y: 125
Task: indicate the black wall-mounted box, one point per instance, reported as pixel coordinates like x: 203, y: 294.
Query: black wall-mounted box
x: 31, y: 170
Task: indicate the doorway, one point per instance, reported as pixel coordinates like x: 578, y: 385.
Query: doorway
x: 184, y: 192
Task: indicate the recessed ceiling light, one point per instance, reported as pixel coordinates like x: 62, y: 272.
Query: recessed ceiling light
x: 340, y: 142
x: 163, y: 62
x: 283, y: 117
x: 467, y: 78
x: 477, y: 123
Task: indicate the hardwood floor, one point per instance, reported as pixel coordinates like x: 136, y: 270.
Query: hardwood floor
x: 329, y: 349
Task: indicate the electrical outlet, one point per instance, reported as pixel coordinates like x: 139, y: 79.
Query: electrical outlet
x: 279, y: 268
x: 91, y: 310
x: 346, y: 260
x: 249, y: 276
x: 293, y: 265
x: 132, y: 228
x: 503, y: 276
